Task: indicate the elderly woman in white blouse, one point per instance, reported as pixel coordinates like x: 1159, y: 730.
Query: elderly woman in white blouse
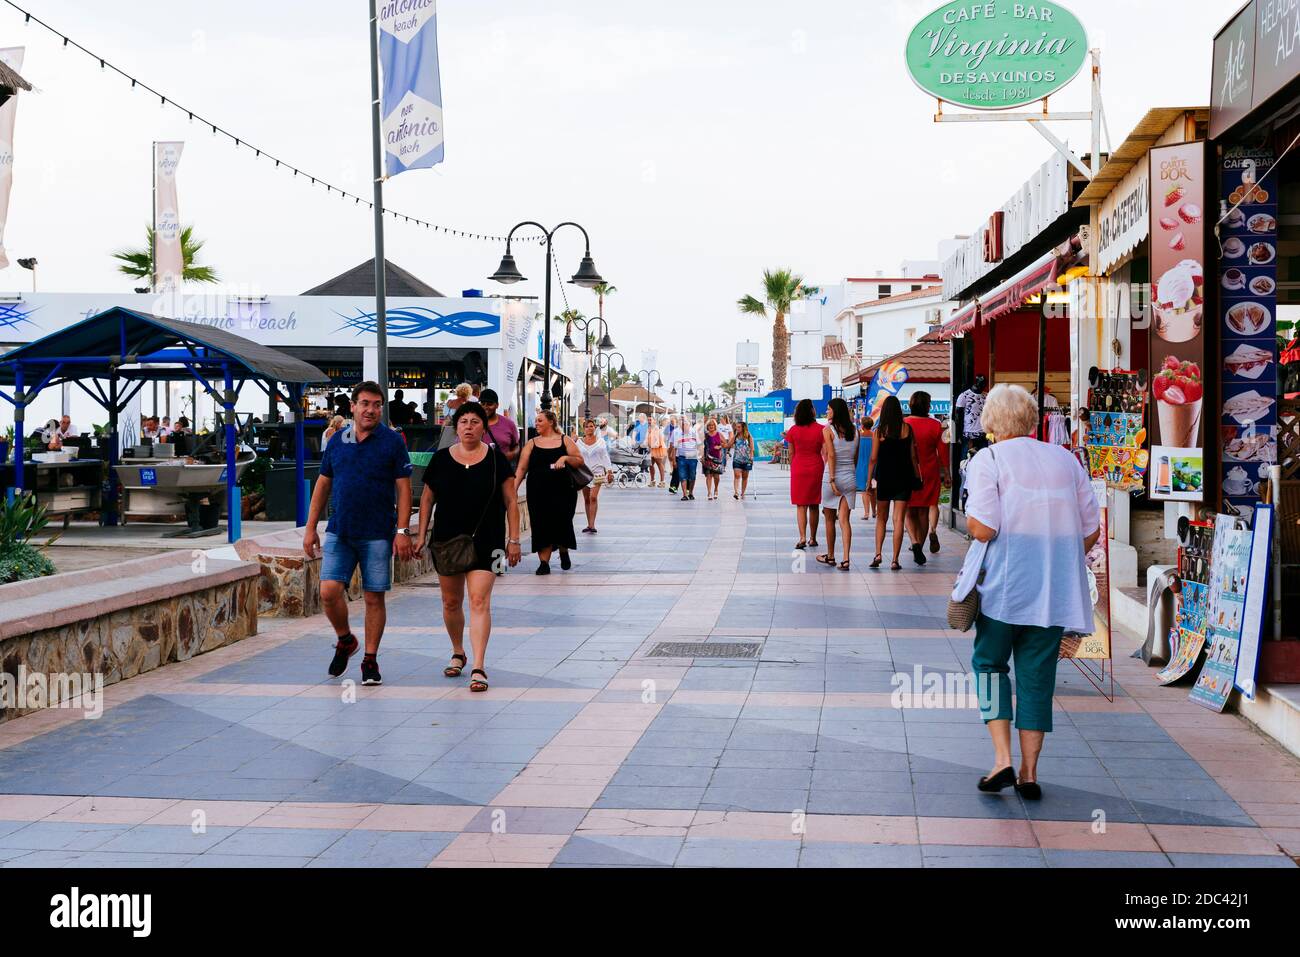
x: 1033, y: 506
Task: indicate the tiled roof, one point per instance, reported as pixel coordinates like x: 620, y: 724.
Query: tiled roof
x: 834, y: 352
x: 926, y: 293
x: 925, y: 362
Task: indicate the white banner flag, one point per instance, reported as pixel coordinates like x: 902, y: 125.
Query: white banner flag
x: 516, y: 329
x: 412, y: 90
x: 169, y: 261
x: 13, y: 58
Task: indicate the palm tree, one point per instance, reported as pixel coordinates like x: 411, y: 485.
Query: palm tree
x: 602, y: 289
x: 729, y: 388
x: 780, y: 288
x: 138, y: 263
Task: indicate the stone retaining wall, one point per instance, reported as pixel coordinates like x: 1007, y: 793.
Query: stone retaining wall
x: 122, y: 621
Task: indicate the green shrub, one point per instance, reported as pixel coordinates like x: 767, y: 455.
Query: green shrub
x: 21, y: 520
x: 21, y: 562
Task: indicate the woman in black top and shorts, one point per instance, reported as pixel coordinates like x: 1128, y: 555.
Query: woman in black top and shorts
x: 473, y: 485
x: 894, y: 473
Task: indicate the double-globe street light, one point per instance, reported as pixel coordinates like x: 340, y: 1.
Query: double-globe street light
x: 659, y: 384
x: 685, y: 384
x: 604, y: 344
x: 587, y: 277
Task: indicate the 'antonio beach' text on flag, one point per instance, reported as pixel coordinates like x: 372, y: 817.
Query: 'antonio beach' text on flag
x: 412, y: 90
x: 13, y: 58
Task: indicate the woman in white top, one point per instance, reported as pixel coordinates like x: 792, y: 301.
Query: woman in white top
x: 596, y: 455
x: 1033, y: 511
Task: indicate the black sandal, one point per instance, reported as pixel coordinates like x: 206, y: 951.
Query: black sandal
x: 801, y: 546
x: 895, y: 567
x: 826, y: 559
x: 844, y: 565
x: 454, y: 671
x: 875, y: 562
x: 478, y: 684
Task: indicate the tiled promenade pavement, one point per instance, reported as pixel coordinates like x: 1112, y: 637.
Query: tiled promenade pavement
x: 796, y: 759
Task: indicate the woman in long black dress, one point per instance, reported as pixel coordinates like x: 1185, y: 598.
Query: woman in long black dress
x: 473, y: 485
x: 551, y: 496
x: 895, y: 474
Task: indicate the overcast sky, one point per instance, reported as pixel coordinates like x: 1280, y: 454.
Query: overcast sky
x: 699, y: 142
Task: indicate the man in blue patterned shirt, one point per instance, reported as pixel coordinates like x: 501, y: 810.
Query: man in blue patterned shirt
x: 367, y: 470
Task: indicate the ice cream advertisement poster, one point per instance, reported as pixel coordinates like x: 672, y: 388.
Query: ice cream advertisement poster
x: 1248, y: 281
x: 1178, y: 199
x: 1229, y: 574
x: 1177, y: 475
x: 1095, y: 647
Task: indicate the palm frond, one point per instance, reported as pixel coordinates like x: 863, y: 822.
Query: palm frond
x: 751, y: 306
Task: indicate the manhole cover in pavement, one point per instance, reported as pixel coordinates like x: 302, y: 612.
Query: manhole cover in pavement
x: 706, y: 649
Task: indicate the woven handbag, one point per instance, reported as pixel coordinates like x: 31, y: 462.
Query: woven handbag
x: 457, y: 555
x: 962, y: 614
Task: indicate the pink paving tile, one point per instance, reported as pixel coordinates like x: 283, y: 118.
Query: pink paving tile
x: 1254, y: 789
x: 1186, y: 838
x: 419, y: 817
x: 496, y: 693
x: 1272, y: 815
x: 503, y: 848
x: 1087, y: 703
x: 860, y: 829
x: 586, y: 738
x: 528, y: 794
x: 662, y: 683
x: 557, y: 694
x: 504, y: 865
x: 553, y: 754
x: 710, y: 697
x: 639, y: 823
x: 634, y: 723
x: 976, y: 832
x: 345, y: 816
x: 844, y: 699
x: 110, y: 810
x: 1287, y: 838
x: 566, y: 774
x: 215, y: 813
x: 747, y: 825
x: 1079, y: 836
x: 1278, y: 768
x: 787, y: 699
x: 32, y: 807
x: 639, y: 672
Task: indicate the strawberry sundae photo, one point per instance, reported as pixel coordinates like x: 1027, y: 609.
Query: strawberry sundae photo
x: 1178, y: 390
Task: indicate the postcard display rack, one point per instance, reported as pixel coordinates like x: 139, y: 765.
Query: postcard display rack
x: 1223, y: 588
x: 1117, y: 432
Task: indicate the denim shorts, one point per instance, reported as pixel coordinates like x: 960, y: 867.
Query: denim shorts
x: 343, y: 555
x: 686, y: 468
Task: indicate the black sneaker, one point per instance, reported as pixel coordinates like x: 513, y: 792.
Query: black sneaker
x: 370, y: 671
x: 565, y: 562
x: 345, y: 649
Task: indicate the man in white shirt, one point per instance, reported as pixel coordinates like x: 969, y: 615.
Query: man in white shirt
x: 686, y: 445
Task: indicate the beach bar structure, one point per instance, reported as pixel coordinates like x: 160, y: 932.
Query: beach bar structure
x: 112, y: 355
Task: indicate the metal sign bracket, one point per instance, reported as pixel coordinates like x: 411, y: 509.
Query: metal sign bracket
x: 1096, y: 116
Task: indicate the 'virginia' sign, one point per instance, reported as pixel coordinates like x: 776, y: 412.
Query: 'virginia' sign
x: 996, y: 56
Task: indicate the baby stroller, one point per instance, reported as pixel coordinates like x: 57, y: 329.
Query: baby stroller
x: 631, y: 468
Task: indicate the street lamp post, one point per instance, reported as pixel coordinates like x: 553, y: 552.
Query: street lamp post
x: 605, y: 344
x: 685, y: 384
x: 586, y: 277
x: 659, y: 384
x: 606, y: 361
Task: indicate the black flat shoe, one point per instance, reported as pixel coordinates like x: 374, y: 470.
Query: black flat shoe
x: 565, y: 562
x: 918, y: 554
x: 934, y: 543
x: 999, y: 782
x: 1030, y: 791
x: 544, y: 568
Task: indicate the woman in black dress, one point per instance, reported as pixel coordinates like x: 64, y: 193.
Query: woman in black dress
x: 551, y: 496
x: 473, y: 486
x: 894, y: 473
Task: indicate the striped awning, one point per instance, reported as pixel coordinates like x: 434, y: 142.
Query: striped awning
x: 1006, y: 298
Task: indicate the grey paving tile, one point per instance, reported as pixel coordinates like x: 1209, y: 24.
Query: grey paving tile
x: 620, y: 851
x: 1232, y: 860
x: 824, y: 801
x: 762, y: 778
x: 835, y: 854
x: 690, y: 757
x: 713, y: 852
x: 745, y: 758
x: 649, y: 797
x: 278, y: 842
x: 62, y: 836
x: 776, y: 800
x: 362, y: 848
x: 637, y: 775
x: 942, y: 855
x: 1105, y: 859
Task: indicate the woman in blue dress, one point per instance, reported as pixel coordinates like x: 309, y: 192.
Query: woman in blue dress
x: 865, y: 425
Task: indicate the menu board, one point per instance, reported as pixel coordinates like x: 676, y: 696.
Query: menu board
x: 1117, y: 432
x: 1229, y: 572
x: 1096, y: 646
x: 1249, y: 235
x: 1192, y: 617
x: 1178, y: 196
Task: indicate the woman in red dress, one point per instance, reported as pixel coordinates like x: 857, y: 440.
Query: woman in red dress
x: 806, y: 467
x: 923, y: 507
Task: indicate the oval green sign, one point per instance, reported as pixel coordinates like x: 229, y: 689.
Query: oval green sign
x: 996, y: 56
